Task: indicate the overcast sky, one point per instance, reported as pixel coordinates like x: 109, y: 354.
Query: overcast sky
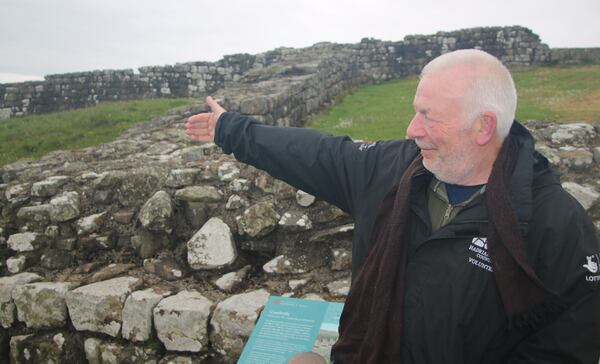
x: 40, y: 37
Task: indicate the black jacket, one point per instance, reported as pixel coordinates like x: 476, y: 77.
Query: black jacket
x: 453, y: 311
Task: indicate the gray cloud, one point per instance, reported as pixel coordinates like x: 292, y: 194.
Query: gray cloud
x: 45, y: 37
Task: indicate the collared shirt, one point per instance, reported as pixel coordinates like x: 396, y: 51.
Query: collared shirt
x: 441, y: 211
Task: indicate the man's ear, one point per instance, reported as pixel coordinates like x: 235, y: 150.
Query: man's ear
x: 486, y: 128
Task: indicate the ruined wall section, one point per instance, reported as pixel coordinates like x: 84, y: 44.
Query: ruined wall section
x: 369, y: 61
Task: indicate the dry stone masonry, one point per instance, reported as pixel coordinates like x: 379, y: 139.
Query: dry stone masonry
x: 333, y: 68
x: 156, y: 249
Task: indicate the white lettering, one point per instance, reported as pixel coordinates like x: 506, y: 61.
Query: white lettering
x: 478, y: 250
x: 479, y: 264
x: 483, y: 257
x: 592, y: 278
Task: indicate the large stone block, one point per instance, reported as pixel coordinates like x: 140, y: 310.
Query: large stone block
x: 42, y: 305
x: 259, y: 220
x: 205, y: 194
x: 181, y: 321
x: 7, y: 305
x: 25, y: 242
x: 39, y: 214
x: 49, y: 186
x: 64, y: 207
x: 157, y: 213
x: 137, y: 314
x: 233, y: 321
x: 212, y: 246
x: 90, y: 224
x: 98, y: 307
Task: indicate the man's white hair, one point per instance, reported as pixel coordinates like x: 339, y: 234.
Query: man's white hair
x: 490, y: 85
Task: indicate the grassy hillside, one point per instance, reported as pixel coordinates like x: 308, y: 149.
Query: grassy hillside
x: 371, y: 112
x: 546, y: 93
x: 35, y: 135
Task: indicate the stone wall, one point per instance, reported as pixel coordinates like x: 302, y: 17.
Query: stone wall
x: 574, y: 56
x: 153, y: 248
x: 343, y: 65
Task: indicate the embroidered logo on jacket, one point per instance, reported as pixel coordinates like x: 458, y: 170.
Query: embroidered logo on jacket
x: 478, y: 255
x: 364, y: 146
x: 592, y: 265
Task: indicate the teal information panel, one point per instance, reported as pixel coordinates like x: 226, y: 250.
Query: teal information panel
x: 288, y: 326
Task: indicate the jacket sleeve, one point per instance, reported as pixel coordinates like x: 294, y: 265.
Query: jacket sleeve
x: 335, y: 169
x: 567, y: 244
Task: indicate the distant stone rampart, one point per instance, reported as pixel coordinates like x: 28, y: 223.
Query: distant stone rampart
x: 368, y: 61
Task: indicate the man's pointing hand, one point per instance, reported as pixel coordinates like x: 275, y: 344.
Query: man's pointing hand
x: 201, y: 127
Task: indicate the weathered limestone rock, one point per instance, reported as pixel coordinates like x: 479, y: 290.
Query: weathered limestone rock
x: 25, y: 242
x: 327, y: 214
x: 181, y: 321
x: 268, y: 184
x: 297, y: 283
x: 586, y: 195
x: 576, y: 134
x: 341, y: 259
x: 65, y: 207
x: 110, y: 271
x: 206, y: 194
x: 228, y: 171
x: 39, y: 214
x: 231, y: 281
x: 212, y: 246
x: 48, y: 187
x: 283, y: 265
x: 42, y: 305
x: 182, y: 177
x: 576, y: 158
x: 313, y: 297
x: 17, y: 193
x: 239, y: 185
x: 161, y: 148
x: 235, y: 202
x: 259, y: 219
x: 336, y: 233
x: 90, y: 224
x: 98, y: 306
x: 192, y: 154
x: 295, y: 221
x: 157, y: 213
x: 137, y: 314
x: 304, y: 199
x: 16, y: 264
x: 7, y: 285
x: 105, y: 352
x: 339, y: 288
x: 57, y: 348
x: 233, y: 321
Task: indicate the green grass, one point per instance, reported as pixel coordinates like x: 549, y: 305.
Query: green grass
x: 33, y: 136
x: 546, y: 93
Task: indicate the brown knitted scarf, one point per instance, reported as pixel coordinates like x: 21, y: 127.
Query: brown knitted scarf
x: 371, y: 331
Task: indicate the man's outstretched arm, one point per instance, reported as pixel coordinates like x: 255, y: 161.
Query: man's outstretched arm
x: 332, y: 168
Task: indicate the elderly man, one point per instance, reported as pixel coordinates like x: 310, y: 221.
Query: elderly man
x: 466, y: 248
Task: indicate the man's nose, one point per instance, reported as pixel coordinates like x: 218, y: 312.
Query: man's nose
x: 415, y: 128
